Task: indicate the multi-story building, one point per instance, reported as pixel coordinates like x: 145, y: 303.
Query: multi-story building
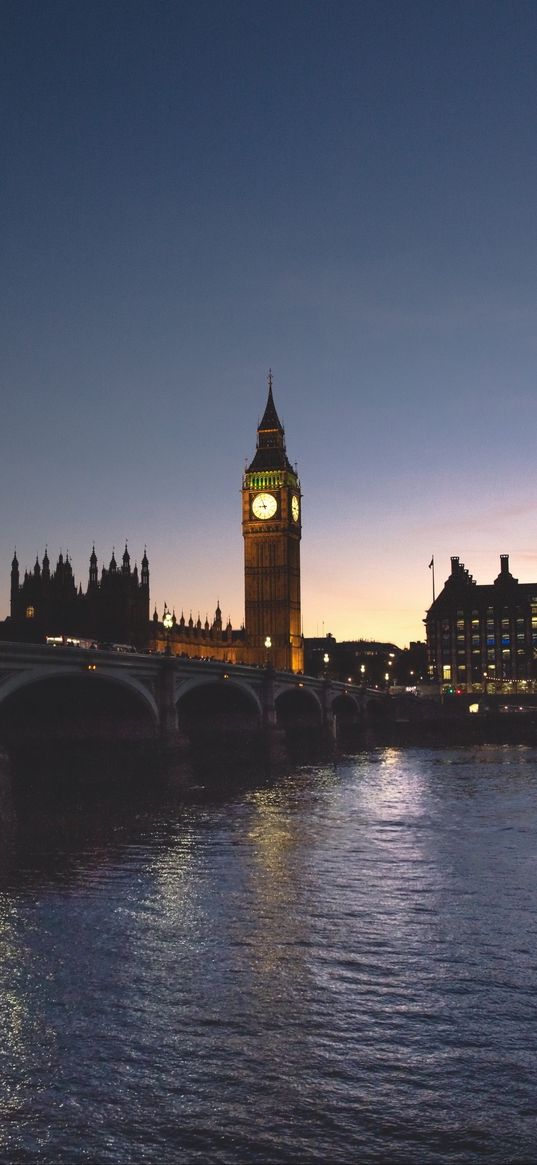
x: 357, y: 661
x: 483, y: 637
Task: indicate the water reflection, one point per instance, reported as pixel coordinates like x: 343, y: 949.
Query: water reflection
x: 339, y: 965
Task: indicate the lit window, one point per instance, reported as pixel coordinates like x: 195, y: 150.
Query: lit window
x: 30, y: 612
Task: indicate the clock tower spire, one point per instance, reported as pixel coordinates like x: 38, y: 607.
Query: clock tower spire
x: 271, y: 526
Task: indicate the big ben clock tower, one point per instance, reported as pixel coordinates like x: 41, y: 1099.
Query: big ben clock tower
x: 271, y: 527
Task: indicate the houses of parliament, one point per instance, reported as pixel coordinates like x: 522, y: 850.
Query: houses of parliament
x: 115, y: 607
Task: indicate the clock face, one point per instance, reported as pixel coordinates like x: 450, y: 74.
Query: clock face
x: 295, y: 507
x: 264, y: 506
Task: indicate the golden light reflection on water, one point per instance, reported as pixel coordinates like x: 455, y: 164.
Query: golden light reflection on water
x: 279, y: 845
x: 172, y: 872
x: 18, y: 1022
x: 391, y: 789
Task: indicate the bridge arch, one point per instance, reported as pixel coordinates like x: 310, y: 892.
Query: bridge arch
x: 378, y: 709
x: 346, y: 707
x: 220, y: 683
x: 28, y: 682
x: 298, y: 704
x: 218, y: 715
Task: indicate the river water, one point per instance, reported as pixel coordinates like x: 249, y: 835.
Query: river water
x: 340, y: 965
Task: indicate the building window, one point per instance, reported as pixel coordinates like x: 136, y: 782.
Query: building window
x: 446, y: 672
x: 30, y: 612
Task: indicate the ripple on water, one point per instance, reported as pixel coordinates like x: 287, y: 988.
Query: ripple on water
x: 339, y: 966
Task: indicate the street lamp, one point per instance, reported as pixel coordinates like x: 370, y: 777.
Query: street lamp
x: 167, y: 622
x: 326, y: 661
x: 268, y: 645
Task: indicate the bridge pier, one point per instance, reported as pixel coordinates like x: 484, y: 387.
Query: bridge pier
x: 329, y: 723
x: 7, y: 808
x: 166, y: 698
x: 273, y: 739
x: 174, y: 747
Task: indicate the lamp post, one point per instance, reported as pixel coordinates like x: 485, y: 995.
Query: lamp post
x: 268, y: 645
x: 167, y: 623
x: 326, y: 661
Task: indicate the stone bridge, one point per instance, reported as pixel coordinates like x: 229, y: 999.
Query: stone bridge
x: 69, y: 693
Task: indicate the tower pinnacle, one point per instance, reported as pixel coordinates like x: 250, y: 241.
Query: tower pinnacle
x: 270, y: 452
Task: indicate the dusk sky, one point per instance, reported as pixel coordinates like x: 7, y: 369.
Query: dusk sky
x: 344, y: 192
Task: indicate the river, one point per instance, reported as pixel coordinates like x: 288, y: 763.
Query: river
x: 339, y: 965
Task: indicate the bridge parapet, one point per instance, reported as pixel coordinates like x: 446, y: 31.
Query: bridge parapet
x: 162, y: 681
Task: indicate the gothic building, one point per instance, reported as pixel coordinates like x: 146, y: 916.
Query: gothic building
x: 483, y: 637
x: 271, y: 527
x: 48, y: 603
x: 115, y: 606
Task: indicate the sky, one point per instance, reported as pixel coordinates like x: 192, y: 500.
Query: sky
x: 344, y: 192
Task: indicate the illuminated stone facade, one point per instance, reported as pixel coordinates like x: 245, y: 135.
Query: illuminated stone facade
x: 271, y: 526
x: 483, y: 637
